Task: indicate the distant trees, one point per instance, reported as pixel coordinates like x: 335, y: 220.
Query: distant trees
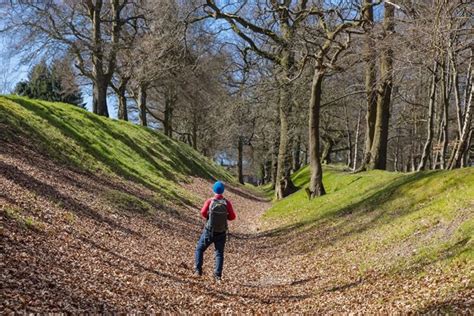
x: 51, y: 83
x: 272, y: 37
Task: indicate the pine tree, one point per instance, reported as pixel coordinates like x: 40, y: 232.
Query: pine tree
x: 64, y: 83
x: 55, y: 83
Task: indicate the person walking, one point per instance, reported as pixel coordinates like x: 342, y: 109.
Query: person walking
x: 217, y: 211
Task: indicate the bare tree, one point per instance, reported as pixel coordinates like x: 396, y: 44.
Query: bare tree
x: 90, y: 30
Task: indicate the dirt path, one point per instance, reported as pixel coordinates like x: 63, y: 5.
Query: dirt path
x: 299, y: 272
x: 65, y: 246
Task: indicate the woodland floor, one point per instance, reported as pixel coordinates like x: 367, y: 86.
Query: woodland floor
x: 67, y: 246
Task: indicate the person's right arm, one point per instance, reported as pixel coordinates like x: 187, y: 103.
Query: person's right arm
x: 205, y: 209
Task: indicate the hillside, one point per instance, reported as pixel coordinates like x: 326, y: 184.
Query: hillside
x: 428, y: 213
x: 100, y: 215
x: 414, y: 228
x: 77, y: 138
x: 85, y: 199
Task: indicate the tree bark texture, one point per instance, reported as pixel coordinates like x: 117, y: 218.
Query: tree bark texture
x: 316, y: 187
x: 378, y: 155
x: 370, y: 86
x: 430, y: 127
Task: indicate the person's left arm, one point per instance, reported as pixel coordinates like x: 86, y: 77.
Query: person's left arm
x: 230, y: 211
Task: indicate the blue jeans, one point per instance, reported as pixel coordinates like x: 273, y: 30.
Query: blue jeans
x: 204, y: 242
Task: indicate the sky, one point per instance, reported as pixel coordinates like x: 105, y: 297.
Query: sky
x: 12, y: 72
x: 10, y: 69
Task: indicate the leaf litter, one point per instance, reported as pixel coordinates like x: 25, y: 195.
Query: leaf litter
x: 80, y: 253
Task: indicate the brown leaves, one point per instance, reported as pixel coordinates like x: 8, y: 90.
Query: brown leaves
x: 93, y: 257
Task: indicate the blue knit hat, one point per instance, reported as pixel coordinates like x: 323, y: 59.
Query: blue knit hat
x: 218, y: 187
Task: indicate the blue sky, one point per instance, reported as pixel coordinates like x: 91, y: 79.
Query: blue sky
x: 12, y: 71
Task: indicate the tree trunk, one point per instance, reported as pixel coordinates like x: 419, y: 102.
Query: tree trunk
x: 194, y: 131
x: 378, y: 155
x: 457, y: 100
x: 296, y: 154
x: 99, y: 98
x: 466, y: 132
x: 469, y: 148
x: 397, y: 158
x: 327, y: 149
x: 305, y: 157
x: 168, y: 115
x: 121, y: 93
x: 240, y: 150
x: 263, y: 171
x: 282, y: 161
x: 274, y: 161
x: 268, y: 171
x: 289, y: 153
x: 370, y: 86
x: 429, y: 136
x: 356, y: 143
x: 99, y: 93
x: 435, y: 155
x: 122, y: 109
x: 349, y: 138
x: 445, y: 104
x: 316, y: 187
x: 142, y: 96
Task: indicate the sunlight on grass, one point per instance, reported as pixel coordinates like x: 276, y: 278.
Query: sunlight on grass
x: 87, y: 141
x: 415, y: 217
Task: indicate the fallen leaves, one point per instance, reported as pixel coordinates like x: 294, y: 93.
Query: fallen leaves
x: 93, y: 257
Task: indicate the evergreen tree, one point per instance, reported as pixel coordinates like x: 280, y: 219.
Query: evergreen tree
x: 64, y: 83
x: 55, y: 83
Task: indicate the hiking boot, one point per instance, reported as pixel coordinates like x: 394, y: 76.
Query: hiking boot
x: 197, y: 273
x: 217, y: 278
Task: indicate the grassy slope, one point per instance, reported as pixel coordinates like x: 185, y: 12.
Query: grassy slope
x: 410, y: 218
x: 89, y: 142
